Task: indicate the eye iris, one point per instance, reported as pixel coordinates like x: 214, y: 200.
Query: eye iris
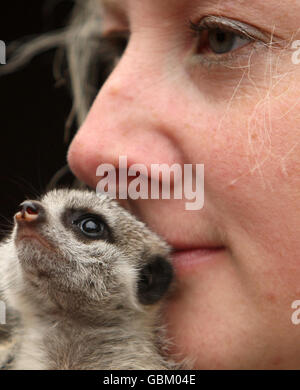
x: 221, y: 41
x: 91, y: 227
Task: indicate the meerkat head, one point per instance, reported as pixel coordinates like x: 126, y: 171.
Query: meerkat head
x: 79, y: 250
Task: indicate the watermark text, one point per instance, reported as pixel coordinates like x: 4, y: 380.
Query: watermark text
x: 159, y: 181
x: 296, y: 54
x: 2, y: 313
x: 2, y: 53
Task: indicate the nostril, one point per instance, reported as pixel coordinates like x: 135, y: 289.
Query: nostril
x: 29, y: 211
x: 30, y: 207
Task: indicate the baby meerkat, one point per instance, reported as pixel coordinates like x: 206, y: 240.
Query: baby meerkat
x: 88, y: 280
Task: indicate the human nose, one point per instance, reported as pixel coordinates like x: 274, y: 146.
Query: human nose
x: 128, y: 118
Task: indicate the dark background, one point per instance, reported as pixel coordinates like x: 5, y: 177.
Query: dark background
x: 33, y: 110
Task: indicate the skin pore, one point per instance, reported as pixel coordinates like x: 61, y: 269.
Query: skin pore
x: 223, y: 92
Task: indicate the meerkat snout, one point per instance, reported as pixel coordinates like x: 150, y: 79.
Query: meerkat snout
x: 80, y: 261
x: 29, y: 211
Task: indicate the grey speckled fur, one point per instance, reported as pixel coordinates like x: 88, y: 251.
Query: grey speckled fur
x: 79, y: 300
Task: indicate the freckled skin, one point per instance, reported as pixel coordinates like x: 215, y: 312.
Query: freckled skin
x: 242, y: 122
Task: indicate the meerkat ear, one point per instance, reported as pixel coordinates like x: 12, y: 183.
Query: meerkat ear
x: 154, y: 280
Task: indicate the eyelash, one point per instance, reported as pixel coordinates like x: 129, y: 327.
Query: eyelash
x: 224, y: 25
x: 206, y: 25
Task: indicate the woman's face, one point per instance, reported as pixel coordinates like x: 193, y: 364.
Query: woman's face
x: 223, y: 92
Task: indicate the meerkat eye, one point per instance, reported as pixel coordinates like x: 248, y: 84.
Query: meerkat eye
x: 91, y: 226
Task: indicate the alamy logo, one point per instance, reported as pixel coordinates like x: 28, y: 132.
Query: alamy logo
x: 159, y: 181
x: 2, y: 53
x: 2, y: 313
x: 296, y: 54
x: 296, y: 314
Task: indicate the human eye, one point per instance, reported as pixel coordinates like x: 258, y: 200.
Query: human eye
x: 220, y: 40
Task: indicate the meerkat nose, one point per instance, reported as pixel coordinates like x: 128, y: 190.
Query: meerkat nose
x: 29, y: 211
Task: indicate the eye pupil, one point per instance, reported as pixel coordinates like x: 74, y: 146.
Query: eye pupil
x: 90, y: 226
x: 221, y: 41
x: 220, y: 36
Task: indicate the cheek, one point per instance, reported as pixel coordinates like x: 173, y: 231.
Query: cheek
x: 252, y: 163
x: 251, y: 152
x: 254, y: 176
